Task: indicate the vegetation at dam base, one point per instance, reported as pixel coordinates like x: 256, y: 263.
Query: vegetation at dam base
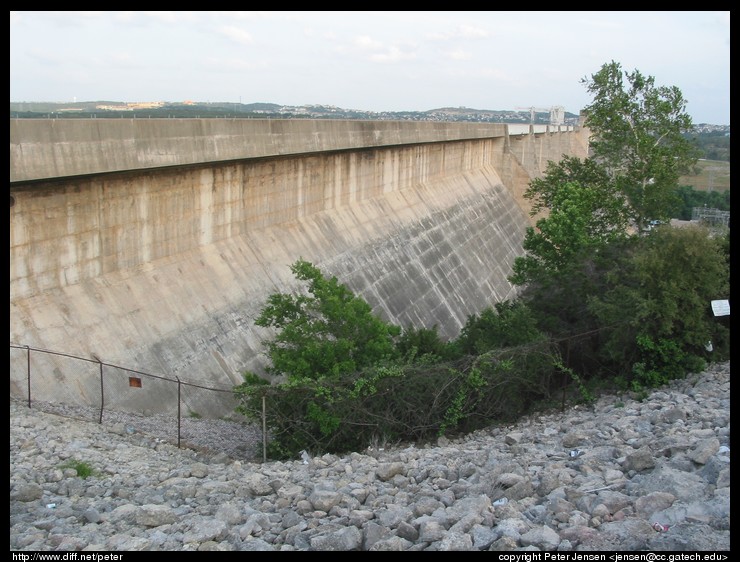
x: 607, y: 302
x: 632, y: 317
x: 691, y: 199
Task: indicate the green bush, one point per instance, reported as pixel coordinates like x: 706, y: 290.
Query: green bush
x: 347, y: 383
x: 411, y: 403
x: 659, y: 304
x: 334, y: 414
x: 423, y: 345
x: 325, y: 333
x: 506, y: 324
x: 631, y: 311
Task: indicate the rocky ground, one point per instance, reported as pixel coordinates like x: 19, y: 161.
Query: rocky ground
x: 238, y: 441
x: 620, y: 475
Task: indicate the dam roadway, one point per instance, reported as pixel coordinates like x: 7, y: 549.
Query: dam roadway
x: 153, y: 243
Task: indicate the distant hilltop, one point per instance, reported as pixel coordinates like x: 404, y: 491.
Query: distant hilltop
x: 191, y: 109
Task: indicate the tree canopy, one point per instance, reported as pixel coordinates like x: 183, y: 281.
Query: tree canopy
x: 639, y: 137
x: 622, y: 297
x: 585, y: 210
x: 324, y: 333
x: 605, y: 297
x: 638, y: 152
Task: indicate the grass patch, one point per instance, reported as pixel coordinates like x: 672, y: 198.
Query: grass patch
x: 713, y: 175
x: 84, y: 470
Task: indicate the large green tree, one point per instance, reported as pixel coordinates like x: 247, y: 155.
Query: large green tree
x: 638, y: 152
x: 585, y: 210
x: 325, y: 332
x: 639, y: 136
x: 594, y: 214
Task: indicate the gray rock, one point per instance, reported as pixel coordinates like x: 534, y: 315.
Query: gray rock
x: 324, y: 500
x: 543, y: 537
x: 258, y: 484
x: 453, y: 541
x: 431, y: 530
x: 646, y: 505
x: 704, y: 450
x: 204, y: 529
x: 374, y: 533
x: 151, y: 515
x: 92, y: 515
x: 640, y: 460
x: 348, y: 538
x: 654, y: 461
x: 685, y: 486
x: 386, y: 471
x: 27, y: 492
x: 393, y: 543
x: 256, y: 545
x: 514, y: 438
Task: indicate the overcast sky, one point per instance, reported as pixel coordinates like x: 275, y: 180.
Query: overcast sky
x: 374, y: 61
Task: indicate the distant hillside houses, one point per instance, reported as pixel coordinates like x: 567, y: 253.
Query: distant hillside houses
x: 706, y: 128
x: 189, y: 108
x: 131, y: 106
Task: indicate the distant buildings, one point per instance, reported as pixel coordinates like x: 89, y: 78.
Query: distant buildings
x: 131, y: 106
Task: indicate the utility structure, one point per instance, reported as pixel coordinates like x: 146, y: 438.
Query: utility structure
x: 557, y: 113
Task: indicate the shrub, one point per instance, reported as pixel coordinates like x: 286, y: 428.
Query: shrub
x: 423, y: 345
x: 506, y: 324
x: 325, y: 333
x: 84, y: 470
x: 394, y: 402
x: 347, y: 384
x: 660, y: 305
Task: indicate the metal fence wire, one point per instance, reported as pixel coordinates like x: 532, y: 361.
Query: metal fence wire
x: 102, y: 392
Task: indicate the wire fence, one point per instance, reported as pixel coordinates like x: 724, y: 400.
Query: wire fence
x: 94, y: 390
x: 713, y: 217
x: 101, y: 392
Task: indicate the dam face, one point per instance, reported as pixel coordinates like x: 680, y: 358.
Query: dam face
x: 163, y: 267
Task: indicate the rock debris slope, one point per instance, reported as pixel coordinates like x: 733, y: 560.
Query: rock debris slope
x: 619, y: 475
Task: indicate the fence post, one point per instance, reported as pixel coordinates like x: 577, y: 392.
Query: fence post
x: 264, y: 432
x: 565, y: 379
x: 102, y: 392
x: 179, y: 386
x: 28, y: 367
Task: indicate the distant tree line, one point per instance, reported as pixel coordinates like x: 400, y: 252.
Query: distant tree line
x: 176, y: 112
x: 690, y: 198
x: 714, y: 145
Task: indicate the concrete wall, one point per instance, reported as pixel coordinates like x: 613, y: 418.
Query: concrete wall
x: 164, y: 270
x: 45, y: 149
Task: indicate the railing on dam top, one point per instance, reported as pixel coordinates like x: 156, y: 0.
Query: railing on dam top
x: 99, y: 393
x: 521, y: 129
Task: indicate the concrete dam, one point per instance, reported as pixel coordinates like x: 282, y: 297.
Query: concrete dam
x: 152, y: 244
